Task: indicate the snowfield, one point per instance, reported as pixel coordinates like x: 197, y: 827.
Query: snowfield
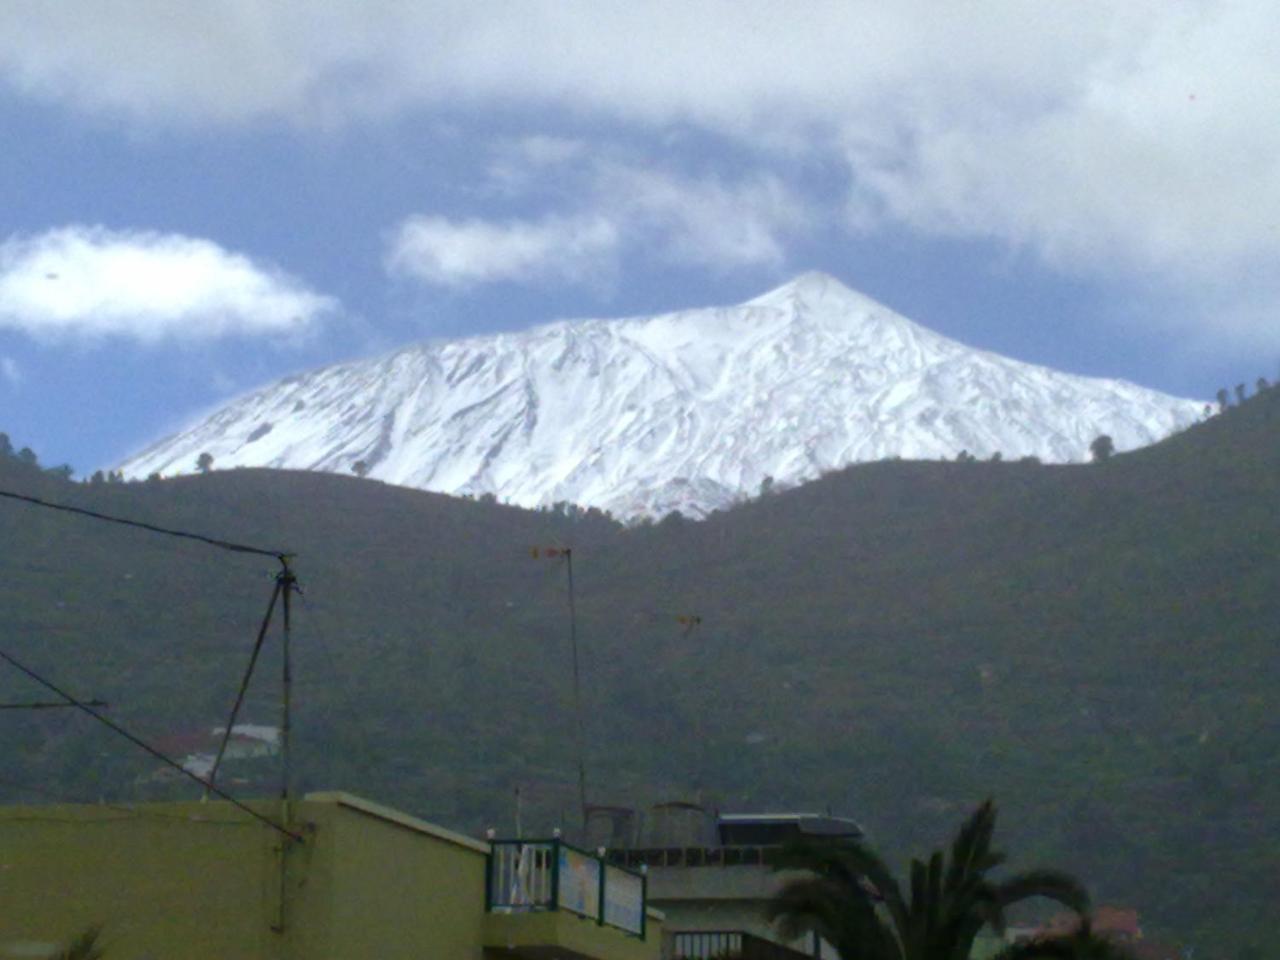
x: 684, y: 411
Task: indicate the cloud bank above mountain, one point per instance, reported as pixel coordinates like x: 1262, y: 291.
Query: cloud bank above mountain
x: 1136, y: 136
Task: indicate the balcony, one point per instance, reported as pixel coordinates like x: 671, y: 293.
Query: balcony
x: 546, y: 896
x: 729, y: 945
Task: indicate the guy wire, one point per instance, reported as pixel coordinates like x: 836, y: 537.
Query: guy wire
x: 145, y: 746
x: 166, y: 531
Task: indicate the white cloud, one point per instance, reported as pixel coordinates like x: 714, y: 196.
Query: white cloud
x: 1106, y: 138
x: 10, y: 372
x: 617, y: 206
x: 90, y: 281
x: 450, y: 253
x: 1157, y: 156
x: 707, y: 221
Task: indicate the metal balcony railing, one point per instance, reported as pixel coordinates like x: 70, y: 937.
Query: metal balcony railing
x: 531, y: 875
x: 729, y: 945
x: 695, y: 856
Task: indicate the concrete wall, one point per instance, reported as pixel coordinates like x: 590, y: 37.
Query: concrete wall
x: 719, y: 897
x: 155, y: 876
x: 192, y: 881
x: 197, y: 881
x: 402, y: 888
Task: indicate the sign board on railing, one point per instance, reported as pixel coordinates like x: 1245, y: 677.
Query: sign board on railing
x: 623, y: 900
x: 579, y: 883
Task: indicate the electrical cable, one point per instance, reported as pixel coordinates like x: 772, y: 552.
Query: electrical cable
x: 280, y: 555
x: 244, y: 682
x: 49, y: 706
x: 130, y: 812
x: 146, y: 746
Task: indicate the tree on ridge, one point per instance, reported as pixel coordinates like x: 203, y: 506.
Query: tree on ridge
x: 1102, y: 447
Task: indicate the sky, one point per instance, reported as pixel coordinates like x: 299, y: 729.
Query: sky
x: 198, y: 199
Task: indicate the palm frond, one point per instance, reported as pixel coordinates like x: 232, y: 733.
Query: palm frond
x: 824, y: 906
x: 855, y: 864
x: 971, y: 849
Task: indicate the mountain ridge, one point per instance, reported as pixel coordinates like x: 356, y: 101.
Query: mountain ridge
x: 689, y: 410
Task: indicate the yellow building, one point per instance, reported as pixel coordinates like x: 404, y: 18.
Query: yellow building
x: 206, y: 881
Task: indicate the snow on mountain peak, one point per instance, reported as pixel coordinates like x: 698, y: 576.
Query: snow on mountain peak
x: 816, y: 291
x: 689, y: 410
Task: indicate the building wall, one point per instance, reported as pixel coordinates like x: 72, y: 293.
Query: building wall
x: 193, y: 881
x: 154, y: 877
x: 203, y: 881
x: 401, y: 888
x: 720, y: 898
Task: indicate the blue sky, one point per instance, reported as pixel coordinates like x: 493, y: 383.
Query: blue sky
x: 195, y: 205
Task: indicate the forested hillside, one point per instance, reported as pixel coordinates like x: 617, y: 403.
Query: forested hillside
x: 1093, y: 645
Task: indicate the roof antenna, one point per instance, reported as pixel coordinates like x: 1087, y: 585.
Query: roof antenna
x: 285, y: 585
x: 566, y: 553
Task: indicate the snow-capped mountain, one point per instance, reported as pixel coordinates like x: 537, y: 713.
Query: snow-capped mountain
x: 689, y: 410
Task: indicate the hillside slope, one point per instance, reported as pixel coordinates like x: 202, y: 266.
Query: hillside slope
x: 1094, y: 645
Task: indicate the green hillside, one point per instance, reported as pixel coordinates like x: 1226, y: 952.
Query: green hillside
x: 1093, y: 645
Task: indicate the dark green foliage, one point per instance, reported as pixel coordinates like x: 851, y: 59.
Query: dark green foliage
x: 1102, y: 448
x: 850, y: 897
x: 204, y: 462
x: 1094, y: 646
x: 1084, y: 945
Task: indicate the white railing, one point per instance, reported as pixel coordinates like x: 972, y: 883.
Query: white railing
x: 530, y: 875
x: 522, y: 876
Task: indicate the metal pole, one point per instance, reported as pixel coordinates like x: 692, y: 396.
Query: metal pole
x: 577, y: 691
x: 244, y: 684
x: 288, y: 583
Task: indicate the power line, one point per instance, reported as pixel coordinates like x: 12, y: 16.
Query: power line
x: 280, y: 555
x: 42, y: 705
x: 145, y: 746
x: 244, y: 683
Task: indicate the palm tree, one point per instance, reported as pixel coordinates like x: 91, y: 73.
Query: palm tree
x: 848, y: 896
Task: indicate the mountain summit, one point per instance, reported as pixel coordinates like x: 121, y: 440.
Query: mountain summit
x: 684, y: 411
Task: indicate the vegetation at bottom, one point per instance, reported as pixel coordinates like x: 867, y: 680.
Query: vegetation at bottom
x: 1095, y: 644
x: 86, y: 946
x: 845, y: 892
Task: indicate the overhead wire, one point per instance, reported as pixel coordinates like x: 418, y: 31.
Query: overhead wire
x: 286, y: 576
x: 280, y: 555
x: 137, y: 741
x: 128, y: 811
x: 41, y: 705
x: 244, y: 682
